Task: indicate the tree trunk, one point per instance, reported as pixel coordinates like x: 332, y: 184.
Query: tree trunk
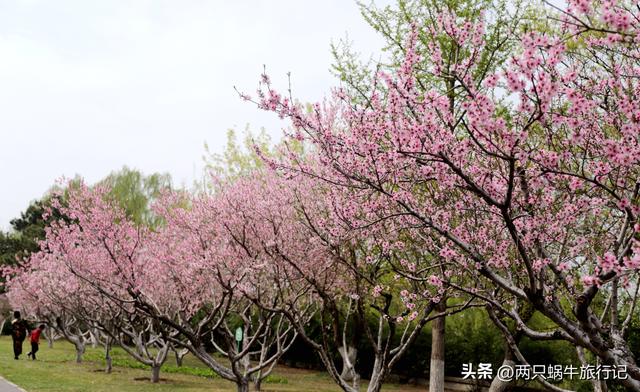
x: 349, y: 357
x: 93, y: 339
x: 498, y: 385
x: 596, y: 384
x: 49, y: 335
x: 602, y: 386
x: 258, y: 384
x: 109, y: 367
x: 179, y: 358
x: 377, y: 376
x: 79, y: 352
x: 436, y: 372
x: 243, y: 386
x: 155, y: 373
x: 107, y: 357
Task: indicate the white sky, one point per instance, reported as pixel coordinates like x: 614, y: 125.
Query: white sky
x: 88, y: 86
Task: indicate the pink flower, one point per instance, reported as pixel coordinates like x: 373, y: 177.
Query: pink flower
x: 447, y: 253
x: 632, y: 262
x: 590, y: 280
x: 376, y: 291
x: 624, y: 204
x: 608, y: 262
x: 434, y: 281
x: 540, y: 263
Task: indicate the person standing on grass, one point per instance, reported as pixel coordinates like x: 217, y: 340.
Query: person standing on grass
x: 18, y: 333
x: 35, y: 339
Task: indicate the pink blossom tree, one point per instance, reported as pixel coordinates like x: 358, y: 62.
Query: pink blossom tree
x: 303, y: 241
x: 199, y: 288
x: 87, y: 264
x: 178, y: 285
x: 44, y: 294
x: 528, y: 176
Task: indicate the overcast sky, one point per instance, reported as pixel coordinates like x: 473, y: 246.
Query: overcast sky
x: 89, y: 86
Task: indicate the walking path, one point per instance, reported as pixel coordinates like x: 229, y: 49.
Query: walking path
x: 6, y: 386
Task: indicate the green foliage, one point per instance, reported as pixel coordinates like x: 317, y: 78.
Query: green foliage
x: 470, y: 336
x: 135, y: 192
x: 123, y: 360
x: 275, y: 379
x: 239, y: 157
x: 393, y: 24
x: 13, y: 246
x: 27, y: 230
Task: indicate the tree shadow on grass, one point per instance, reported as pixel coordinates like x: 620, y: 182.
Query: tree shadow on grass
x: 161, y: 380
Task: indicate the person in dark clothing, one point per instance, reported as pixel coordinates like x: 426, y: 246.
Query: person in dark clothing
x: 18, y: 333
x: 35, y: 339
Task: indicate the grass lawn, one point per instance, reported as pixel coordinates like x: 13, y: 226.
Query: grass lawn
x: 56, y: 370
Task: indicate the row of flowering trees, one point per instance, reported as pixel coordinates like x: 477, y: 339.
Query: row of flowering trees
x: 263, y: 254
x: 446, y: 184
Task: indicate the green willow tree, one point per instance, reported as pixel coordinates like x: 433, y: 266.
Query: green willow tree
x: 238, y: 157
x: 135, y: 192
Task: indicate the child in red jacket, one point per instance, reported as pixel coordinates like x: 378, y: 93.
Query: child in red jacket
x: 35, y: 339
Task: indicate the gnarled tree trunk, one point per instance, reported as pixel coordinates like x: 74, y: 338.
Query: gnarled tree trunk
x: 349, y: 356
x: 498, y: 385
x: 80, y: 348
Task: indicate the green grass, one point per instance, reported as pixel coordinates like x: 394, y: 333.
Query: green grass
x: 56, y: 371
